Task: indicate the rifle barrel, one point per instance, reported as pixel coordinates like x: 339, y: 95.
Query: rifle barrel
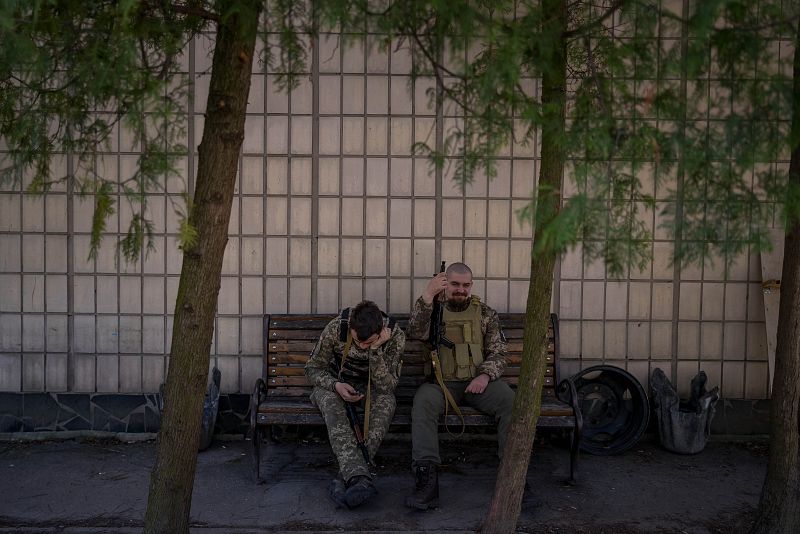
x: 353, y: 418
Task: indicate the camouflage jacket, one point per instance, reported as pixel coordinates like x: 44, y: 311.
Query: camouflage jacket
x: 494, y: 343
x: 384, y: 362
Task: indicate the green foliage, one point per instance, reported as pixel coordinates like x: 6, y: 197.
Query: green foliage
x: 72, y: 74
x: 704, y: 110
x: 103, y: 208
x: 140, y: 230
x: 727, y: 205
x: 288, y: 27
x: 709, y: 108
x: 187, y: 234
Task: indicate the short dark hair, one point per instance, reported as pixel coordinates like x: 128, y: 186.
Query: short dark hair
x: 459, y: 268
x: 366, y: 320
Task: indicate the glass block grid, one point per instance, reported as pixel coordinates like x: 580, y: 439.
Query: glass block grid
x: 681, y: 320
x: 331, y: 207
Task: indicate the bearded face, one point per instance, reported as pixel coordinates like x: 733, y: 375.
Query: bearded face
x: 459, y: 291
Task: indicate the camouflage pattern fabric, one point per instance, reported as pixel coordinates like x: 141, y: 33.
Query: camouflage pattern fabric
x: 385, y: 365
x: 342, y: 439
x: 494, y: 345
x: 385, y: 362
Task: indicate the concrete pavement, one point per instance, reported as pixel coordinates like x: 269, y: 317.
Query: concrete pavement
x: 97, y: 486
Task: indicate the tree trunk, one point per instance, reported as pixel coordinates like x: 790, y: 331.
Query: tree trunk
x: 507, y: 499
x: 172, y: 478
x: 779, y: 509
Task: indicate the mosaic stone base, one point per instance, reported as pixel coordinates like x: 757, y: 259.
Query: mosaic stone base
x: 48, y: 412
x: 52, y: 412
x: 741, y: 417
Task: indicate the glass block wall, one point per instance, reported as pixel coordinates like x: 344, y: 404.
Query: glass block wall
x: 332, y: 207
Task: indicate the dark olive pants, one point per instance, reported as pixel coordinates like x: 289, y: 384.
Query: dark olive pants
x: 497, y: 400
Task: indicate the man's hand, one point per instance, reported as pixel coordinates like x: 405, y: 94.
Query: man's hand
x: 436, y: 285
x: 478, y: 384
x: 386, y: 334
x: 347, y: 392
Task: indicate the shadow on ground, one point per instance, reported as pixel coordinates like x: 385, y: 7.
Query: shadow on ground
x: 101, y: 486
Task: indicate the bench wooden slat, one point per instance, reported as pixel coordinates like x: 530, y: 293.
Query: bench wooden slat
x: 294, y: 334
x: 310, y: 322
x: 417, y: 380
x: 287, y: 392
x: 549, y: 408
x: 276, y: 411
x: 278, y: 371
x: 301, y: 418
x: 399, y: 392
x: 413, y: 358
x: 281, y: 359
x: 515, y: 347
x: 306, y: 346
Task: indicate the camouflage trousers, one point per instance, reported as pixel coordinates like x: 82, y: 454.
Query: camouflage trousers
x: 497, y: 400
x: 343, y: 441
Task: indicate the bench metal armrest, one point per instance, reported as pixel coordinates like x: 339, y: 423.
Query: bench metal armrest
x: 566, y: 392
x: 258, y: 396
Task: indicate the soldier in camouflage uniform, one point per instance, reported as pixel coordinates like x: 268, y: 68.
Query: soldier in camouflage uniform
x: 470, y: 371
x: 358, y: 351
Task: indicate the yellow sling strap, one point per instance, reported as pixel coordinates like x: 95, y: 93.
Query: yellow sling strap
x: 448, y: 397
x: 345, y: 352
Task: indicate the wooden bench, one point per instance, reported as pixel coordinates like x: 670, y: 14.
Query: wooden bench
x: 281, y: 397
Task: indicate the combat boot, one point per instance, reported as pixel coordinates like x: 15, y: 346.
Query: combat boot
x: 337, y: 492
x: 359, y: 489
x: 426, y: 489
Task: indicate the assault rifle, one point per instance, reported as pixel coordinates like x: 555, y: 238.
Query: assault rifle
x: 352, y: 416
x: 436, y: 337
x: 336, y: 367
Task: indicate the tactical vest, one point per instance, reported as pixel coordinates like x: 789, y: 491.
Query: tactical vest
x: 356, y: 370
x: 464, y: 330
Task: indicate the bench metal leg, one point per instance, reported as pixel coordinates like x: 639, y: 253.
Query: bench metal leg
x: 567, y: 393
x: 573, y: 455
x: 259, y: 394
x: 257, y: 456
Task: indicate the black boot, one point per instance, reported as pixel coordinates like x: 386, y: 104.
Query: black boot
x: 426, y: 489
x: 336, y: 492
x: 359, y: 490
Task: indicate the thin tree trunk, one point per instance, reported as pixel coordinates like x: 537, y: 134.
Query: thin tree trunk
x: 779, y: 509
x: 507, y: 499
x: 172, y: 478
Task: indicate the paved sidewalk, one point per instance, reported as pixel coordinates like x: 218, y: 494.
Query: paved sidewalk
x: 101, y: 486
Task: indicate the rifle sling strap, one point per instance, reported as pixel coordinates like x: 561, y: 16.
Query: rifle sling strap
x: 448, y: 397
x: 345, y: 352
